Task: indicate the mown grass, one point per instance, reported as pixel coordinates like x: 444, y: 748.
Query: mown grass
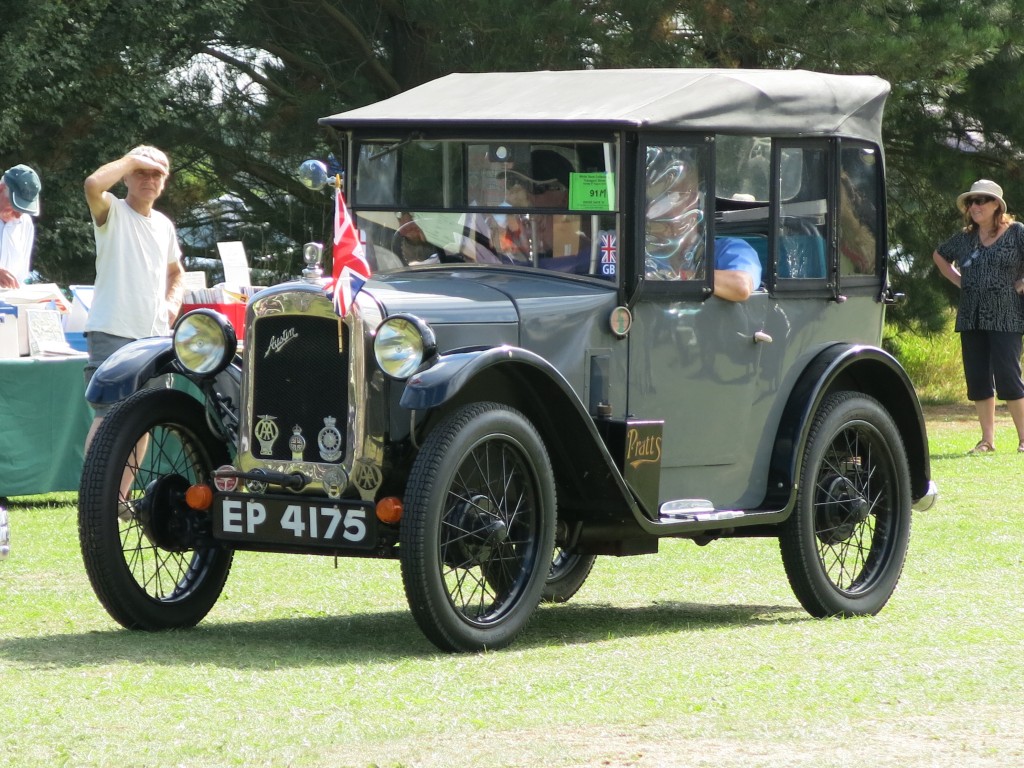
x: 695, y: 656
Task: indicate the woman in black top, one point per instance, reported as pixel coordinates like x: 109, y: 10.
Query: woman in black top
x: 986, y: 261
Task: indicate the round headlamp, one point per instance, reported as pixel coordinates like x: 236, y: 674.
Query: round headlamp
x: 204, y: 341
x: 402, y: 344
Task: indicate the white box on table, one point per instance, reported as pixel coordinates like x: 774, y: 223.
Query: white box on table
x: 9, y: 346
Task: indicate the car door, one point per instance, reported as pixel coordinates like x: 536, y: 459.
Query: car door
x: 702, y: 367
x: 698, y: 363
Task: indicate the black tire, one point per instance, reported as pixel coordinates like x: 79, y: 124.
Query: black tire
x: 478, y: 529
x: 138, y: 554
x: 844, y: 545
x: 566, y: 575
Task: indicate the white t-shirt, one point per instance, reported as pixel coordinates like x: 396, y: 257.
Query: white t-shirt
x: 132, y: 255
x: 16, y: 239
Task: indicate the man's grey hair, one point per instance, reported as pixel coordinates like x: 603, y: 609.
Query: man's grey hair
x: 157, y: 155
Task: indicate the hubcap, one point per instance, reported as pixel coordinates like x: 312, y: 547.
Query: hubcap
x: 479, y: 531
x: 842, y: 508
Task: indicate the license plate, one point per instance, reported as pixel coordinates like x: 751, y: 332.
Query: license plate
x: 288, y: 521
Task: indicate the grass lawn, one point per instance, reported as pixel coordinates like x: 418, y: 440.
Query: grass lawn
x: 692, y: 657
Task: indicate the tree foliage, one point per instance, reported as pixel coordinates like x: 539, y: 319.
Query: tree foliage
x: 232, y: 90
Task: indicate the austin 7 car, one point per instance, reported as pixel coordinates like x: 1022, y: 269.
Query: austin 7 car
x: 604, y: 308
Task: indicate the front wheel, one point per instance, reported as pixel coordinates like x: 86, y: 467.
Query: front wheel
x: 138, y: 537
x: 844, y: 545
x: 479, y: 527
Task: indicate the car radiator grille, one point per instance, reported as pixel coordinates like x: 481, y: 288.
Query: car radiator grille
x: 299, y: 379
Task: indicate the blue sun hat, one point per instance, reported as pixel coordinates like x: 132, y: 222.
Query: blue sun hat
x: 23, y: 186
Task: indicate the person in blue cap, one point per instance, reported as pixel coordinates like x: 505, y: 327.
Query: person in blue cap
x: 19, y: 202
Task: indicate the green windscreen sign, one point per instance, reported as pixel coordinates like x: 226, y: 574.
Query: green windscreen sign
x: 592, y: 192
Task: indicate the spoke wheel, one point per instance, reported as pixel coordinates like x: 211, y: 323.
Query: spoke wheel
x: 138, y: 537
x: 478, y: 530
x: 845, y: 543
x: 567, y: 574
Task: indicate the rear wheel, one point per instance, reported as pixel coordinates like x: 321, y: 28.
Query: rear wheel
x: 478, y: 530
x: 137, y: 534
x: 566, y: 575
x: 844, y: 545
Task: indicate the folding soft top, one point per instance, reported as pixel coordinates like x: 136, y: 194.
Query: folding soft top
x: 750, y: 101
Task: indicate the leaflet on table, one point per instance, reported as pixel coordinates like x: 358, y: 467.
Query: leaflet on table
x: 45, y: 334
x: 194, y: 280
x: 40, y: 310
x: 32, y: 329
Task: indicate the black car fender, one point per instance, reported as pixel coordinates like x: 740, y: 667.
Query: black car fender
x: 590, y: 483
x: 129, y: 368
x: 857, y: 368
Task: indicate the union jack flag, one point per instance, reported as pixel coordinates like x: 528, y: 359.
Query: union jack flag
x: 609, y: 248
x: 349, y: 268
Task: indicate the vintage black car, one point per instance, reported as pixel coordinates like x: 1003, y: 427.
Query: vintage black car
x: 540, y: 370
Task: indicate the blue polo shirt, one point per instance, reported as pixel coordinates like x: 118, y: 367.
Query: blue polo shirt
x: 735, y: 253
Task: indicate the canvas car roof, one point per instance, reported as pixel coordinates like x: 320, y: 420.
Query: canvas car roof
x: 751, y: 101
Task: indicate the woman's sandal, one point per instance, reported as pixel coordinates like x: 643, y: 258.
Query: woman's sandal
x: 984, y: 446
x: 1020, y: 447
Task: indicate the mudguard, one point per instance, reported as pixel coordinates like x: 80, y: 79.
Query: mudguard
x: 129, y: 368
x: 563, y: 419
x: 435, y: 385
x: 870, y: 370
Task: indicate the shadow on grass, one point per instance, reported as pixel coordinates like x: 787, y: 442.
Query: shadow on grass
x: 366, y: 637
x: 957, y: 455
x: 45, y: 501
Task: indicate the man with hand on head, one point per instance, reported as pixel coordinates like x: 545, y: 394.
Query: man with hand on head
x: 19, y: 202
x: 139, y: 277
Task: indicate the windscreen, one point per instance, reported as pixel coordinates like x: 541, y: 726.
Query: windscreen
x: 532, y: 204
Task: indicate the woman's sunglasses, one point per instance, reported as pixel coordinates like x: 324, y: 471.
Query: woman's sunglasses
x: 969, y: 201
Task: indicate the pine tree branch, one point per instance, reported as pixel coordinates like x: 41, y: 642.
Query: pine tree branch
x: 376, y: 69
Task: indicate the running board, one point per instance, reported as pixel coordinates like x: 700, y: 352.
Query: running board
x: 695, y: 511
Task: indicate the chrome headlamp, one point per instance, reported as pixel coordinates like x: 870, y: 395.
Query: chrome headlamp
x: 204, y: 342
x: 402, y: 344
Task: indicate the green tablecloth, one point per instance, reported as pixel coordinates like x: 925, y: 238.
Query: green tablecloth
x: 43, y: 422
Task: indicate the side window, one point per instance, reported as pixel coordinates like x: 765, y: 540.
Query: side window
x: 675, y: 196
x: 859, y: 209
x: 800, y: 247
